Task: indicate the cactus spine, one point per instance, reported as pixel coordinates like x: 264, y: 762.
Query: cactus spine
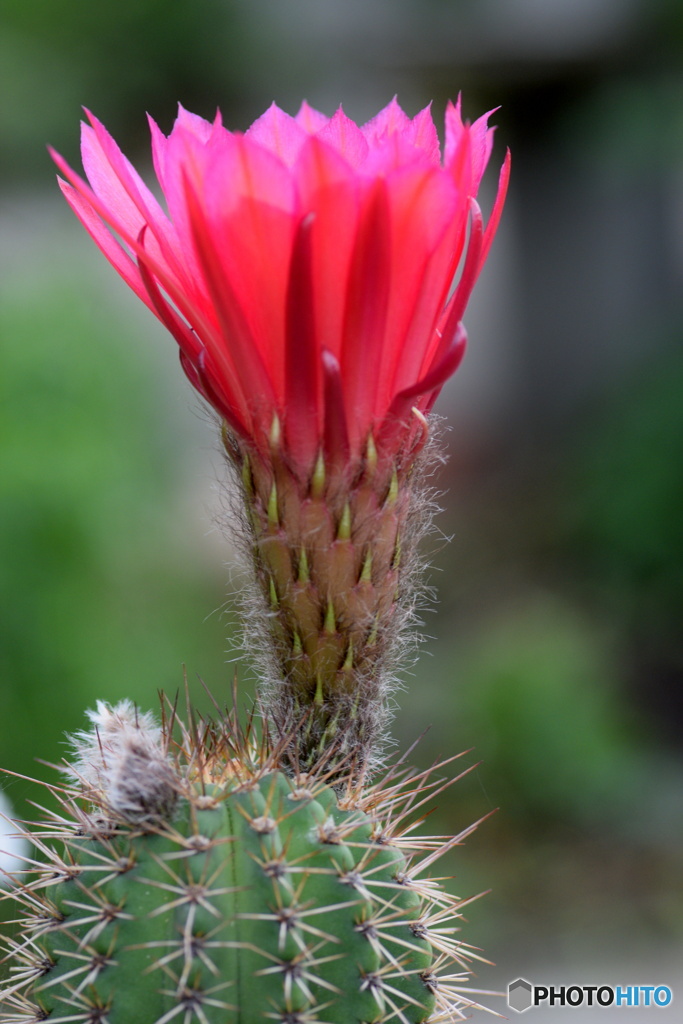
x: 207, y: 881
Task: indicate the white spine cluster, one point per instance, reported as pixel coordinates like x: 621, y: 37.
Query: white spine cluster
x: 13, y: 844
x: 123, y: 759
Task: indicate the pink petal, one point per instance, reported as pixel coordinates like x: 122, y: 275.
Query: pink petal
x: 422, y: 209
x: 418, y: 134
x: 329, y: 187
x: 193, y: 357
x: 159, y: 150
x: 429, y: 385
x: 212, y: 384
x: 251, y: 171
x: 279, y: 133
x: 199, y: 314
x: 302, y: 360
x: 492, y: 226
x: 255, y: 216
x: 394, y: 152
x: 311, y: 120
x: 106, y: 185
x: 346, y: 137
x: 425, y: 134
x: 105, y: 241
x: 482, y: 144
x: 455, y: 130
x: 367, y: 300
x: 118, y: 185
x: 391, y: 119
x: 193, y: 123
x: 159, y: 268
x: 478, y: 138
x: 186, y: 338
x: 442, y: 370
x: 337, y: 447
x: 470, y: 271
x: 182, y: 153
x: 235, y: 353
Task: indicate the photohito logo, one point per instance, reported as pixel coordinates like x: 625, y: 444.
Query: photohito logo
x: 522, y: 995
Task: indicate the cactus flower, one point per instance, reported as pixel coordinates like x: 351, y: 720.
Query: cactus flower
x: 304, y: 267
x: 314, y: 275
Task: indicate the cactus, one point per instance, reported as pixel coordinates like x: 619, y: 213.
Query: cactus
x: 207, y: 880
x: 202, y: 872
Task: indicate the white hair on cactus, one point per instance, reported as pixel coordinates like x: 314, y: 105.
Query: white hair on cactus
x: 13, y: 845
x: 123, y: 759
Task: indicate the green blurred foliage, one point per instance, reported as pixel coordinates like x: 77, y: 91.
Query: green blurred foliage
x: 547, y: 716
x: 578, y: 599
x: 624, y: 498
x: 102, y: 594
x: 118, y: 59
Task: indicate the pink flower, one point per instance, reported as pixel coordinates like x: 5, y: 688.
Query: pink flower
x: 303, y: 267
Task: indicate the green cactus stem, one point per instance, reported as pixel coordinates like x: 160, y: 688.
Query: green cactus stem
x: 206, y: 880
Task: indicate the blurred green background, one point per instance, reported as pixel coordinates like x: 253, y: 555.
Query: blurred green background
x: 557, y: 647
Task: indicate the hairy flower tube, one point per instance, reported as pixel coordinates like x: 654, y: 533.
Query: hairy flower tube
x: 314, y: 275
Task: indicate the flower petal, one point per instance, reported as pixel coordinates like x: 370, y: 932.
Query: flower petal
x: 279, y: 133
x: 120, y: 188
x: 302, y: 362
x: 256, y: 216
x: 236, y: 352
x: 310, y: 119
x: 346, y: 137
x: 419, y: 133
x: 390, y: 120
x: 329, y: 186
x: 423, y: 209
x: 367, y: 300
x: 492, y: 226
x: 105, y: 241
